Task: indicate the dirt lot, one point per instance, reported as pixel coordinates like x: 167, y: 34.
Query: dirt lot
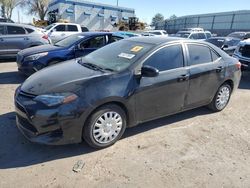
x: 192, y: 149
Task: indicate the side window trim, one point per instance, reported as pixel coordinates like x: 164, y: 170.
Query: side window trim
x: 188, y: 55
x: 165, y: 46
x: 4, y: 30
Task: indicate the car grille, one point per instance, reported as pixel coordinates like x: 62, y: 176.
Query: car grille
x: 21, y: 108
x: 27, y: 95
x: 245, y: 50
x: 26, y: 124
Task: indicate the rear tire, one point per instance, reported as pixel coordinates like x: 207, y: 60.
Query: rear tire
x: 105, y: 126
x: 221, y: 98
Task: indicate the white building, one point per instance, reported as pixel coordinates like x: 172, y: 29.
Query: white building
x: 94, y: 16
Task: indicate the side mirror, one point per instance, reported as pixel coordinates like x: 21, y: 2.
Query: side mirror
x: 224, y: 47
x: 148, y: 71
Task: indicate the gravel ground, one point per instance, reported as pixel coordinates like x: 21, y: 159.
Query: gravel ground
x: 192, y: 149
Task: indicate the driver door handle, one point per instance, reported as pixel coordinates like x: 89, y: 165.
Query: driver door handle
x: 219, y: 69
x: 183, y: 78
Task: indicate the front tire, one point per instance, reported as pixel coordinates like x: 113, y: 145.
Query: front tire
x: 221, y: 98
x: 105, y: 126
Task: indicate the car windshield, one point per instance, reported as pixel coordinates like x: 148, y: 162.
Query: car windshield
x: 217, y: 42
x: 182, y: 34
x: 69, y: 40
x: 232, y: 42
x: 49, y: 27
x: 237, y: 35
x: 117, y: 56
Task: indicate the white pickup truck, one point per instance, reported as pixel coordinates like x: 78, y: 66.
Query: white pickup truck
x: 59, y: 31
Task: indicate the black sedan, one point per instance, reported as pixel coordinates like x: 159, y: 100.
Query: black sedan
x: 228, y: 44
x: 121, y: 85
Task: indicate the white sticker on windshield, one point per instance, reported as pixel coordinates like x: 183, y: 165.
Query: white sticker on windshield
x: 127, y: 56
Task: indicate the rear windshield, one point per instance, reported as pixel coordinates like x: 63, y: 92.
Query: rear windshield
x: 69, y: 40
x: 182, y: 34
x: 119, y: 55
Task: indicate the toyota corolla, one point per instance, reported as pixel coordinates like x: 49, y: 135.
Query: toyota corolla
x: 122, y: 85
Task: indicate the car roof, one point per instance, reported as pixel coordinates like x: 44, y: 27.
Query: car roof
x: 17, y: 24
x: 94, y: 33
x: 57, y: 23
x: 154, y: 39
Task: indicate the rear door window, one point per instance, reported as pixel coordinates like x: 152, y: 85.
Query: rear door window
x: 29, y: 30
x: 215, y: 56
x: 15, y: 30
x: 72, y: 28
x: 167, y: 58
x: 199, y: 54
x: 60, y: 28
x: 2, y: 32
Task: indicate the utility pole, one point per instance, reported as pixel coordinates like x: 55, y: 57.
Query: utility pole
x: 117, y: 2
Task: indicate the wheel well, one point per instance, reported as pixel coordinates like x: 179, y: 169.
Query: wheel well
x: 231, y: 83
x: 121, y: 105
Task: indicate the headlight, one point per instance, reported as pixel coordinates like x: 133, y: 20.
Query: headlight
x: 56, y: 99
x: 35, y: 56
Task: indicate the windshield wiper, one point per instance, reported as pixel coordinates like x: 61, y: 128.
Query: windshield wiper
x: 94, y: 66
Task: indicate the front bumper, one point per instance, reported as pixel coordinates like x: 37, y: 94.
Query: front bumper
x: 244, y: 61
x: 51, y: 126
x: 28, y: 67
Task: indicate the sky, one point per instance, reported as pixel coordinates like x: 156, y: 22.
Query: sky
x: 145, y: 10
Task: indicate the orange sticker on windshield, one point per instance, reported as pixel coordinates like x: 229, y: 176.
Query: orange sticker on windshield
x: 136, y: 49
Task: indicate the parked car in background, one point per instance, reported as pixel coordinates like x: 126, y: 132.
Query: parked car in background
x: 74, y: 46
x: 242, y: 53
x: 227, y: 44
x: 146, y: 34
x: 16, y: 37
x: 157, y: 32
x: 121, y: 85
x: 59, y: 31
x: 195, y: 35
x: 240, y: 35
x: 6, y: 20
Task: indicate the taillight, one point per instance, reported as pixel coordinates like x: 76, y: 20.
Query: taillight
x: 238, y: 65
x: 45, y: 37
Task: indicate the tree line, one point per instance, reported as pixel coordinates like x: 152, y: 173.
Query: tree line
x: 32, y: 7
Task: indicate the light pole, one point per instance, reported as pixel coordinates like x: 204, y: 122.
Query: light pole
x: 117, y: 2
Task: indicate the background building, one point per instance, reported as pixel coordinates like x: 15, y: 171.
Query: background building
x: 94, y: 16
x: 219, y: 23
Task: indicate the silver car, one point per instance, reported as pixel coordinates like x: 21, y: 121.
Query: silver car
x: 16, y: 37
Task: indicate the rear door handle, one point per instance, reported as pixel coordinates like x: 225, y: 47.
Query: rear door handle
x: 183, y: 78
x: 219, y: 69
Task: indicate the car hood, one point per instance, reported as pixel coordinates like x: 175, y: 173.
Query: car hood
x: 64, y: 77
x: 39, y: 49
